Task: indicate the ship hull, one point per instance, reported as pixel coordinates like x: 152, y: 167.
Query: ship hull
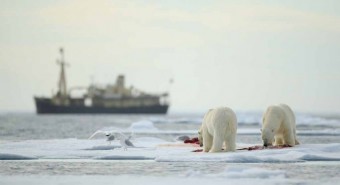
x: 45, y: 106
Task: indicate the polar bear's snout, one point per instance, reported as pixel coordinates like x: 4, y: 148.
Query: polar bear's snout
x: 266, y: 143
x: 267, y: 137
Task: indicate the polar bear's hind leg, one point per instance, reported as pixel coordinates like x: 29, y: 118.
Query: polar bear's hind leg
x: 289, y: 139
x: 217, y: 141
x: 230, y: 143
x: 296, y: 141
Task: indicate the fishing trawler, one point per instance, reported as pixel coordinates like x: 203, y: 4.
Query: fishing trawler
x: 114, y: 98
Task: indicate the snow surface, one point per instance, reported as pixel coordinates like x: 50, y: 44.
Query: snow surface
x: 243, y: 172
x: 150, y: 180
x: 150, y: 148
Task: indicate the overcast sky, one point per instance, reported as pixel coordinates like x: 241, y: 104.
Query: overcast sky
x: 242, y: 54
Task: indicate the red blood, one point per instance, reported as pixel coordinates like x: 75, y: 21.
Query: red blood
x: 255, y: 148
x: 198, y: 150
x: 192, y: 140
x: 262, y: 147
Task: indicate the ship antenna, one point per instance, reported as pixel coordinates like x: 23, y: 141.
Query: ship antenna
x: 62, y: 91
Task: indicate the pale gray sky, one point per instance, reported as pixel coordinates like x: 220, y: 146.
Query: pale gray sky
x: 242, y: 54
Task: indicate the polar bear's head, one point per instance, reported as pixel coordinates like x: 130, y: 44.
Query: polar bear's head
x: 268, y: 136
x: 200, y: 137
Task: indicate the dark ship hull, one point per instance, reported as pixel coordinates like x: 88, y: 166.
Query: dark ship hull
x: 46, y: 106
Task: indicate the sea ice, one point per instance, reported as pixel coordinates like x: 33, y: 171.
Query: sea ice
x: 160, y: 151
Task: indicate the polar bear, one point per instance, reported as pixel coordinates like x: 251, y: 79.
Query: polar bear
x: 278, y: 126
x: 219, y: 126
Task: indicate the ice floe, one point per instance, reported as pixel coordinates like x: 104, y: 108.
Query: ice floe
x: 152, y: 148
x: 143, y: 125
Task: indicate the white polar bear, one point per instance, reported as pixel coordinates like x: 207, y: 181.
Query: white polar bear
x: 278, y: 126
x: 219, y: 126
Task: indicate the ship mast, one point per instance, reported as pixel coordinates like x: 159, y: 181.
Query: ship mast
x: 62, y: 92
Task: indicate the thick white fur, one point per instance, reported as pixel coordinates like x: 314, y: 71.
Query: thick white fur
x: 278, y: 126
x: 219, y: 126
